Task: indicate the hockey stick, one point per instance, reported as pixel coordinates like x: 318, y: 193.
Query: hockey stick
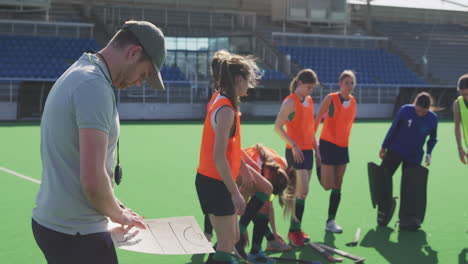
x: 342, y: 253
x: 356, y: 238
x: 325, y: 253
x: 296, y: 260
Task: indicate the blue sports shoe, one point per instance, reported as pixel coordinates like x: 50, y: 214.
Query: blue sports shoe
x: 234, y: 260
x: 260, y: 258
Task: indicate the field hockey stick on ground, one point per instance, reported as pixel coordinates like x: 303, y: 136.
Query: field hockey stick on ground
x: 356, y: 238
x: 342, y: 253
x: 296, y: 260
x: 325, y: 253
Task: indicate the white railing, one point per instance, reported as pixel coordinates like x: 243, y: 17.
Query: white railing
x: 302, y: 39
x: 199, y: 92
x: 116, y: 15
x: 175, y: 92
x: 21, y: 4
x: 37, y: 28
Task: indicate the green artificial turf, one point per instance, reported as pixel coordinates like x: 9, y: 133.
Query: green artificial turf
x: 159, y: 163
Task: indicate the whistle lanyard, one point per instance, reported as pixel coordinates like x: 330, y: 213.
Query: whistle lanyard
x: 118, y: 175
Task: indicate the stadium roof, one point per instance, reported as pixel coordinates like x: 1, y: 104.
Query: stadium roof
x: 454, y: 5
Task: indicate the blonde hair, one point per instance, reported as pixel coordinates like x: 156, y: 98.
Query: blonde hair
x: 347, y: 73
x: 232, y: 66
x: 305, y: 76
x: 288, y: 199
x: 216, y: 60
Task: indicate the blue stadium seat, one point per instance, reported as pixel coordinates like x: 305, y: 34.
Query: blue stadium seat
x: 40, y: 57
x: 371, y: 65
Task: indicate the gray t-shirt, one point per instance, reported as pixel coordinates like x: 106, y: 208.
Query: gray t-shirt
x: 81, y: 98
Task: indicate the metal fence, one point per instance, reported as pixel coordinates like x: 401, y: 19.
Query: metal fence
x: 167, y: 17
x: 327, y: 40
x: 42, y: 28
x: 200, y: 91
x: 175, y: 92
x: 9, y: 91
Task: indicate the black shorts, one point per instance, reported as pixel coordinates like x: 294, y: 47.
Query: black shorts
x: 213, y: 195
x: 332, y: 154
x: 307, y: 164
x: 96, y: 248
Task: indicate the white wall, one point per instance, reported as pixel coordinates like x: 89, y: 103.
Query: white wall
x: 415, y: 15
x: 374, y: 111
x: 156, y: 111
x: 151, y: 111
x: 8, y: 111
x: 364, y: 111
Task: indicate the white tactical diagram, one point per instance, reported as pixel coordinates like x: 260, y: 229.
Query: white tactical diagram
x: 165, y: 236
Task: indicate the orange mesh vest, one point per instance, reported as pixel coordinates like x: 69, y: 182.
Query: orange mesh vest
x: 213, y: 97
x: 206, y: 165
x: 301, y: 128
x: 253, y: 154
x: 337, y: 129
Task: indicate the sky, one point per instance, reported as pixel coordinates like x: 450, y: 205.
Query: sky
x: 425, y: 4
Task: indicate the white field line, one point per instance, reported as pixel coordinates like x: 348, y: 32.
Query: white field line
x: 14, y: 173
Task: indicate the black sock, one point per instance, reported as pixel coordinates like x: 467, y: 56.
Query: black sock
x: 269, y: 235
x: 335, y: 198
x: 209, y: 260
x: 251, y: 210
x: 208, y: 226
x: 218, y: 262
x: 300, y: 209
x: 296, y: 225
x: 260, y: 227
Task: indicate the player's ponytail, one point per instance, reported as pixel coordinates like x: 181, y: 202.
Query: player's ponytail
x: 288, y: 199
x: 426, y: 101
x: 305, y: 76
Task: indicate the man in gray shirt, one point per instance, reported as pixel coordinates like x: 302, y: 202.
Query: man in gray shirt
x: 79, y: 133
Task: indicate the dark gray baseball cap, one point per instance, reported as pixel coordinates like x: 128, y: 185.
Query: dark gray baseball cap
x: 154, y: 44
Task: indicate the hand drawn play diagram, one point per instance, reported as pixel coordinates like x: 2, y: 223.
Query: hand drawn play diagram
x: 166, y: 236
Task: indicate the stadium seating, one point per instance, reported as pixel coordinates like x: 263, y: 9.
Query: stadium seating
x: 172, y: 74
x: 38, y: 58
x: 269, y: 74
x: 445, y: 46
x: 32, y: 57
x: 372, y: 66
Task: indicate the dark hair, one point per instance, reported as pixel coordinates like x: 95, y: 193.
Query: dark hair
x: 124, y: 38
x: 283, y: 181
x: 279, y: 177
x: 423, y: 100
x: 463, y: 82
x: 305, y: 76
x: 231, y: 67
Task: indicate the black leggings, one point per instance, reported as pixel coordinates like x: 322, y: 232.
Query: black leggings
x: 390, y: 163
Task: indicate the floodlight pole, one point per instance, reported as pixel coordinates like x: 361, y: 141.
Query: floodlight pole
x: 455, y: 3
x: 369, y: 16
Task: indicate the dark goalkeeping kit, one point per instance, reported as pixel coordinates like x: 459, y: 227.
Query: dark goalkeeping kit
x: 413, y: 194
